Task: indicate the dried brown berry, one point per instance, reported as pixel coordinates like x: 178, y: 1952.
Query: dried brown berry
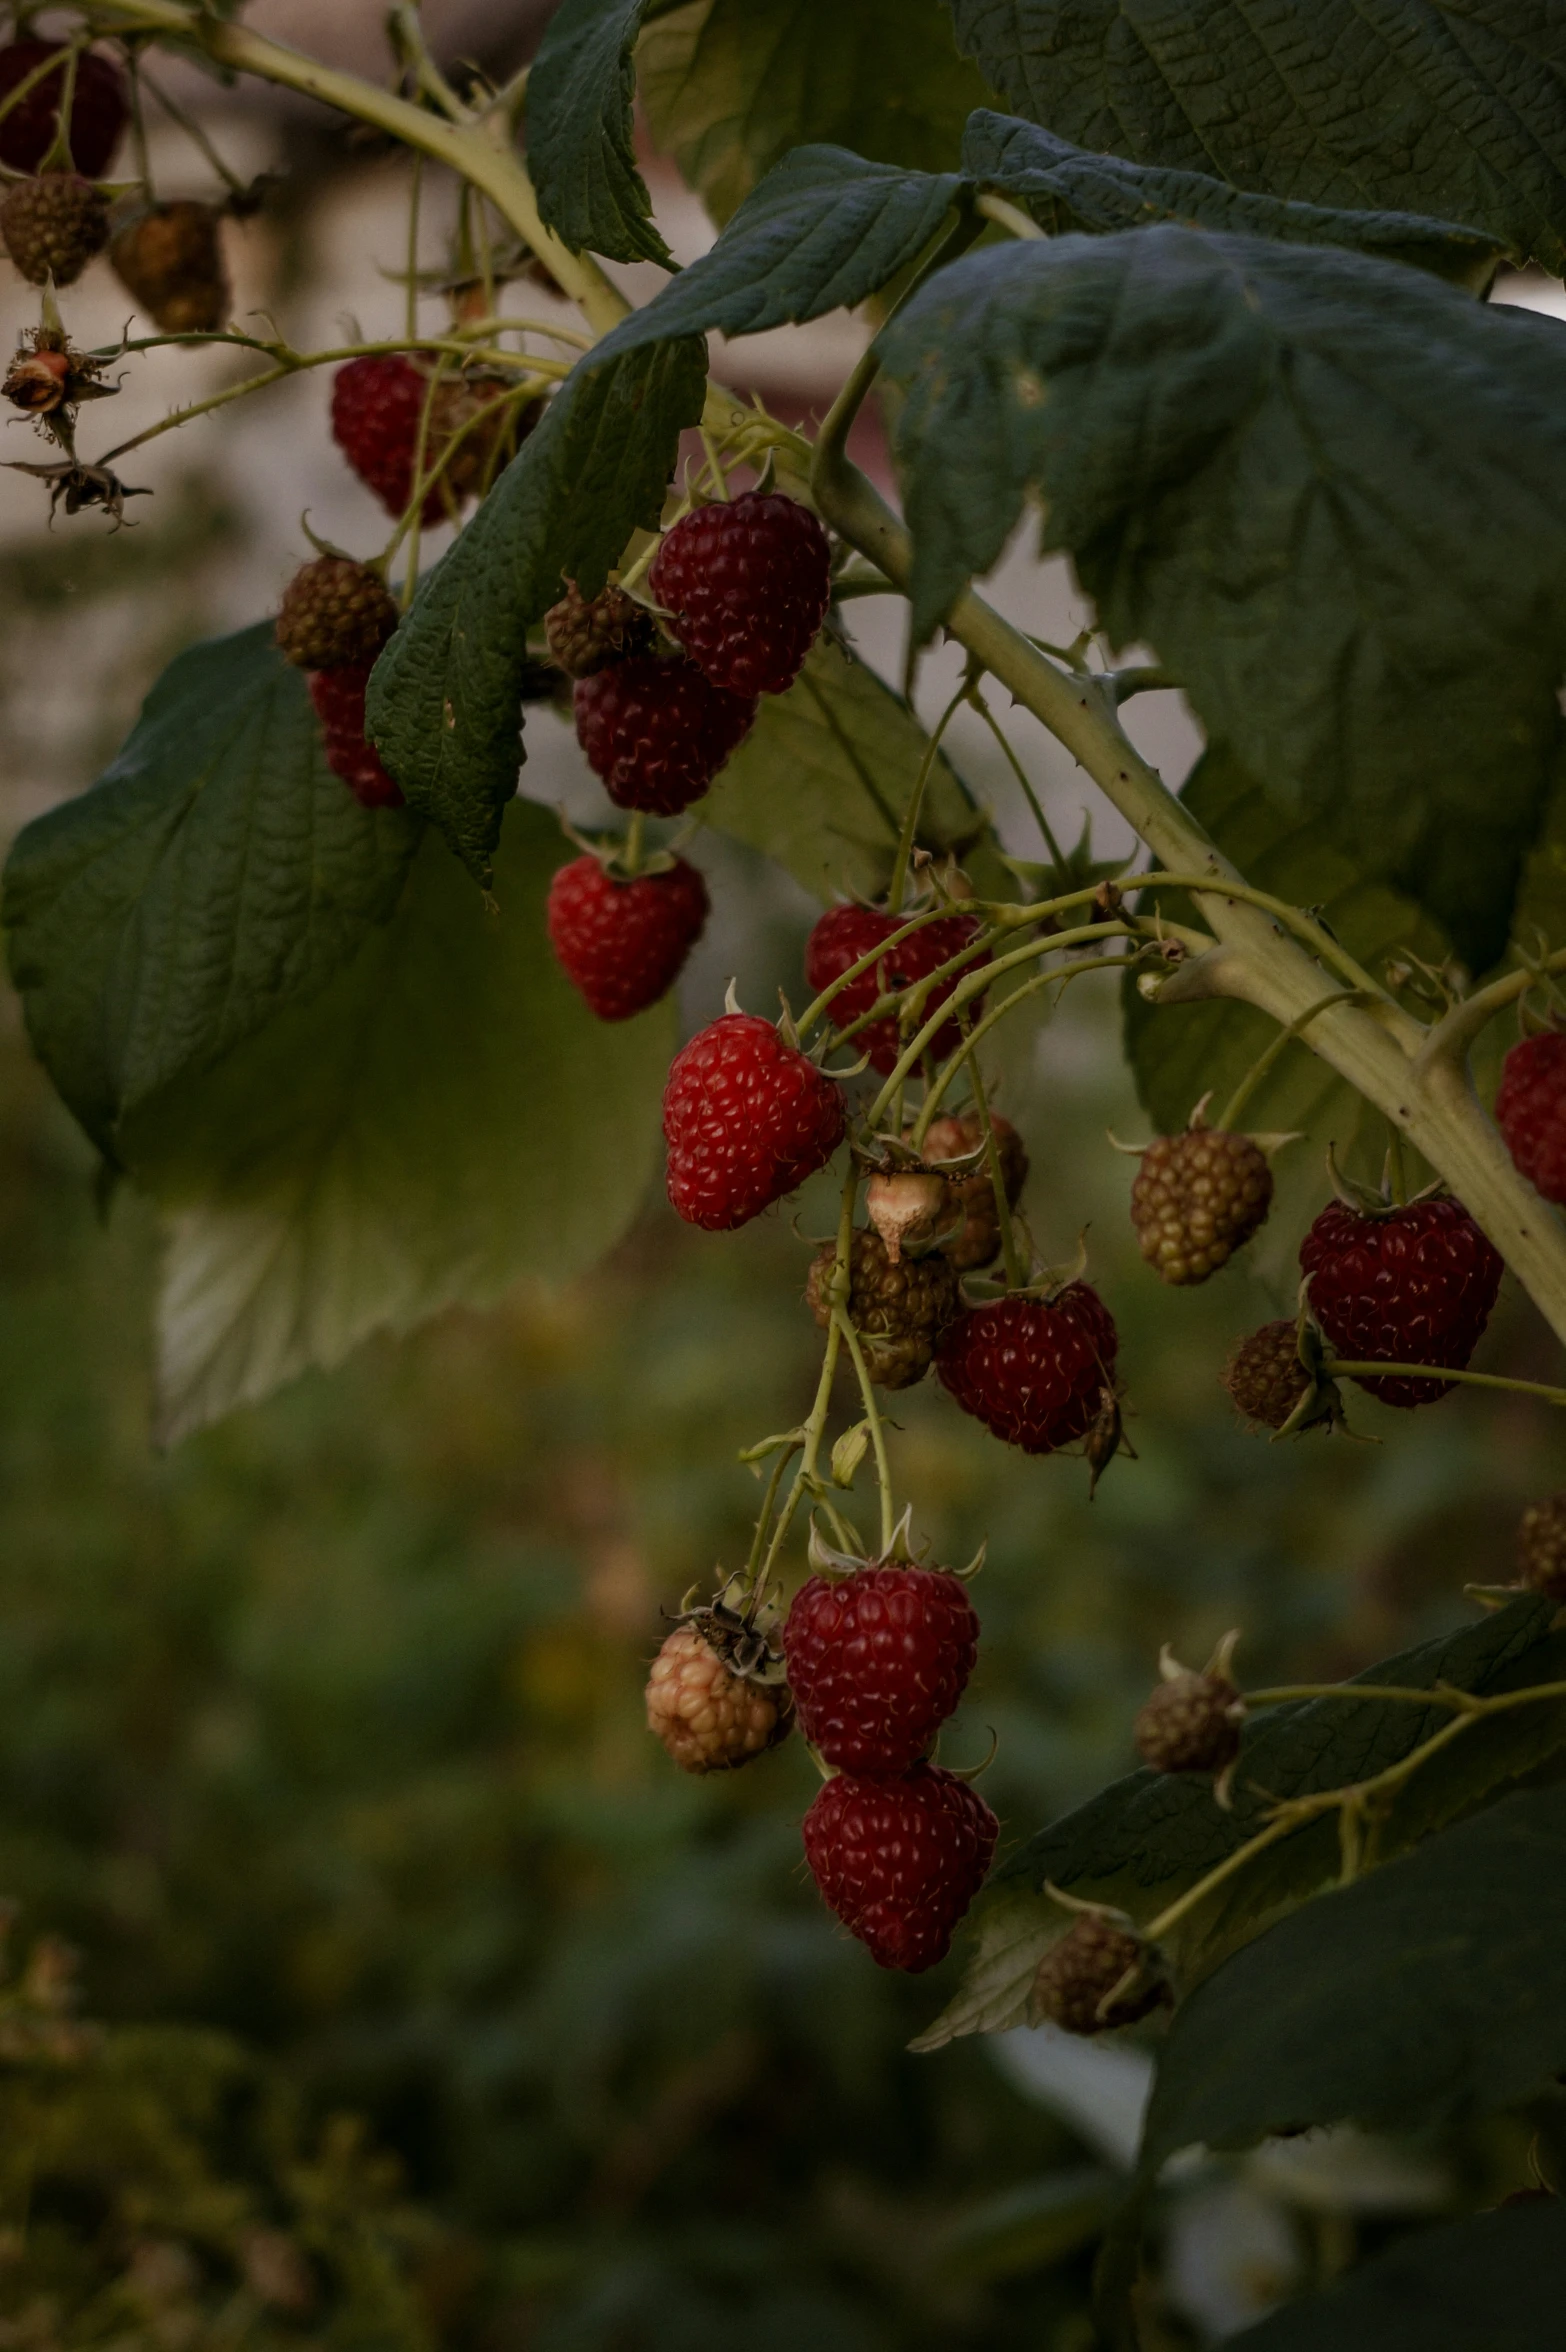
x: 1541, y: 1547
x: 1191, y: 1723
x: 710, y: 1717
x: 912, y: 1205
x: 976, y: 1241
x: 1076, y: 1976
x: 336, y: 615
x: 169, y: 259
x: 53, y: 226
x: 898, y: 1311
x: 37, y: 381
x: 1197, y: 1198
x: 587, y: 633
x: 1265, y: 1376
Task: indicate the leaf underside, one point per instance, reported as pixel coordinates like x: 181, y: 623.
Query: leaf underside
x: 581, y: 149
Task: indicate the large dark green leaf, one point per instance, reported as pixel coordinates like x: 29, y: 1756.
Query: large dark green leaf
x: 1064, y: 187
x: 1455, y: 108
x: 1180, y: 1052
x: 445, y: 698
x: 580, y: 147
x: 821, y: 232
x: 217, y: 872
x: 731, y: 85
x: 1145, y: 1839
x: 1330, y: 491
x: 1495, y: 2282
x: 443, y: 1118
x: 823, y: 778
x: 1432, y: 1989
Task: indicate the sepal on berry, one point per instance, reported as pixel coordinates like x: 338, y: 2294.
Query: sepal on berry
x: 1191, y: 1722
x: 1099, y: 1975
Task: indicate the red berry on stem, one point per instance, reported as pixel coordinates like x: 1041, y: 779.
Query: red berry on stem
x: 877, y: 1661
x: 656, y: 731
x: 378, y: 405
x: 899, y: 1861
x: 845, y: 933
x: 338, y: 696
x: 99, y: 108
x: 1530, y: 1110
x: 1413, y: 1286
x: 623, y: 943
x: 746, y: 586
x: 1032, y: 1370
x: 747, y: 1118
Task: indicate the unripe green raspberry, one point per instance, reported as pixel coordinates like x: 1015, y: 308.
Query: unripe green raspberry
x: 899, y: 1312
x: 1265, y: 1376
x: 336, y: 615
x: 53, y: 226
x: 1190, y: 1723
x: 1076, y: 1976
x: 587, y: 633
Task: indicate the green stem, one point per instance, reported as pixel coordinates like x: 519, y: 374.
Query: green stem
x: 1046, y: 833
x: 415, y: 192
x: 785, y: 1455
x: 633, y: 848
x: 1009, y: 1258
x: 1339, y: 1370
x: 911, y: 814
x: 1264, y: 1061
x: 838, y: 1292
x: 883, y: 1470
x: 947, y: 1073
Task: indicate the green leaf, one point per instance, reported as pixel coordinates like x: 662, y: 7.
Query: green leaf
x: 1431, y: 1990
x: 821, y: 781
x: 216, y: 872
x: 1028, y: 2228
x: 445, y: 1118
x: 445, y: 698
x: 821, y: 232
x: 1064, y: 187
x: 729, y: 86
x: 1330, y: 491
x: 1495, y: 2280
x: 580, y: 143
x: 1455, y: 108
x: 1145, y: 1839
x: 1180, y: 1052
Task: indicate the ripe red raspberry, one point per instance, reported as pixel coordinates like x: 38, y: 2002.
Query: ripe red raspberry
x: 708, y: 1717
x: 1032, y: 1370
x: 170, y: 260
x: 1265, y: 1376
x: 845, y: 933
x: 377, y: 404
x: 99, y: 108
x: 898, y: 1312
x: 976, y: 1242
x: 1077, y: 1975
x: 899, y: 1861
x: 623, y: 944
x: 586, y: 633
x: 1541, y: 1547
x: 1530, y: 1110
x: 335, y: 614
x: 656, y: 732
x: 746, y: 1118
x: 1414, y: 1286
x: 877, y: 1661
x: 52, y: 226
x: 1197, y: 1198
x: 746, y: 587
x: 338, y: 696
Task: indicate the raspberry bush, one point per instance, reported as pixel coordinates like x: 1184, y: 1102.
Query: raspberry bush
x: 375, y: 1050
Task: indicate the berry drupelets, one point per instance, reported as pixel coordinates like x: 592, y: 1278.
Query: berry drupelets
x: 335, y: 614
x: 338, y: 696
x: 170, y: 260
x: 1033, y: 1370
x: 1410, y: 1285
x: 746, y: 1118
x: 52, y: 226
x: 656, y: 732
x: 899, y: 1861
x: 585, y: 634
x: 745, y: 587
x: 1198, y: 1197
x: 1264, y: 1375
x: 975, y: 1243
x: 710, y: 1718
x: 100, y: 108
x: 1075, y: 1986
x: 1530, y: 1110
x: 845, y: 933
x: 623, y: 942
x: 898, y: 1311
x: 877, y: 1661
x: 378, y: 406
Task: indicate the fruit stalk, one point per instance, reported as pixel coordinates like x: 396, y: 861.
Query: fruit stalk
x: 1376, y: 1045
